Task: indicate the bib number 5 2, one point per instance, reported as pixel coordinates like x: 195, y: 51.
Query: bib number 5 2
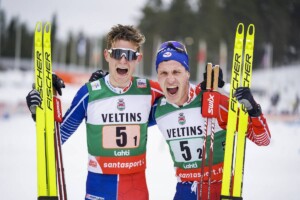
x: 186, y: 151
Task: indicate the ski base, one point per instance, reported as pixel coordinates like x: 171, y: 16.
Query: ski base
x: 230, y: 198
x: 48, y: 198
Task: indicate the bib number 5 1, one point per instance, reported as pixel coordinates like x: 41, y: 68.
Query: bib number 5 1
x: 127, y: 136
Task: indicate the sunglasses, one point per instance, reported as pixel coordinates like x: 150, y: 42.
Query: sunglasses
x: 119, y: 53
x: 173, y: 45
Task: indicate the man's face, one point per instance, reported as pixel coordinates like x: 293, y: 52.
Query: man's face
x: 174, y: 81
x: 121, y: 71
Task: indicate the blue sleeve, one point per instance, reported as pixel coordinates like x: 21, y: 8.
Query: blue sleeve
x: 75, y: 114
x: 152, y: 120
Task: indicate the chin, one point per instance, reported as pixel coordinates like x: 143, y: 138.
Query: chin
x: 172, y: 99
x: 123, y: 77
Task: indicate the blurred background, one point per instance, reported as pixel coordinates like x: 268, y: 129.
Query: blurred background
x: 206, y: 27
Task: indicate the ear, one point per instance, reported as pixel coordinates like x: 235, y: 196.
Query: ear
x: 140, y: 57
x: 106, y: 55
x: 188, y: 74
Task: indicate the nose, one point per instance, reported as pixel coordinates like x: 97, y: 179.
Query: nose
x: 123, y: 59
x: 171, y: 78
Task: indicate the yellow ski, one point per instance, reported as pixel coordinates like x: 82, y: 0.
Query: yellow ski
x: 243, y: 114
x: 48, y: 94
x: 233, y: 109
x: 234, y: 154
x: 47, y: 186
x: 40, y: 111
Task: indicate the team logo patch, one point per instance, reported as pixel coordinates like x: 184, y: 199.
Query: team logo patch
x: 93, y: 163
x: 167, y: 54
x: 141, y: 83
x: 96, y: 85
x: 181, y: 119
x: 121, y: 105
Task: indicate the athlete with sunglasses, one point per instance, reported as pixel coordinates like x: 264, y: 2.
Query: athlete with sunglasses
x: 116, y: 109
x: 178, y: 116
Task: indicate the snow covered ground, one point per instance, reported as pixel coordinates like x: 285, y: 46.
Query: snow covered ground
x: 271, y: 173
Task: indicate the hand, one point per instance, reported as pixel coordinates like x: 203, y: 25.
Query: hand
x: 97, y: 75
x: 58, y: 83
x: 245, y: 97
x: 33, y: 99
x: 220, y: 79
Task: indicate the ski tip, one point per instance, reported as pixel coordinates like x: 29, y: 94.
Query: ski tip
x: 47, y: 27
x: 38, y: 26
x: 251, y: 29
x: 240, y: 28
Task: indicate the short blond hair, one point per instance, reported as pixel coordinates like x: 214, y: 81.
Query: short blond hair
x: 127, y: 33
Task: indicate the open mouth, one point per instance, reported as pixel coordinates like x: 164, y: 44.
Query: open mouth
x: 172, y: 90
x: 122, y: 71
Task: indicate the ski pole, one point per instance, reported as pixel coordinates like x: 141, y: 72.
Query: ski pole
x: 212, y: 134
x: 208, y: 87
x: 58, y: 151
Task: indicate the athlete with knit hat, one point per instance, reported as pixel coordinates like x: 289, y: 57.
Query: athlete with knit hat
x: 178, y: 116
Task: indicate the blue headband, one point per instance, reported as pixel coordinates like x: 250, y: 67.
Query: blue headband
x: 172, y: 54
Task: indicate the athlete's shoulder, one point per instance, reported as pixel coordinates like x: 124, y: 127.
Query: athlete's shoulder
x: 155, y: 90
x: 155, y: 86
x: 94, y: 85
x: 83, y: 90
